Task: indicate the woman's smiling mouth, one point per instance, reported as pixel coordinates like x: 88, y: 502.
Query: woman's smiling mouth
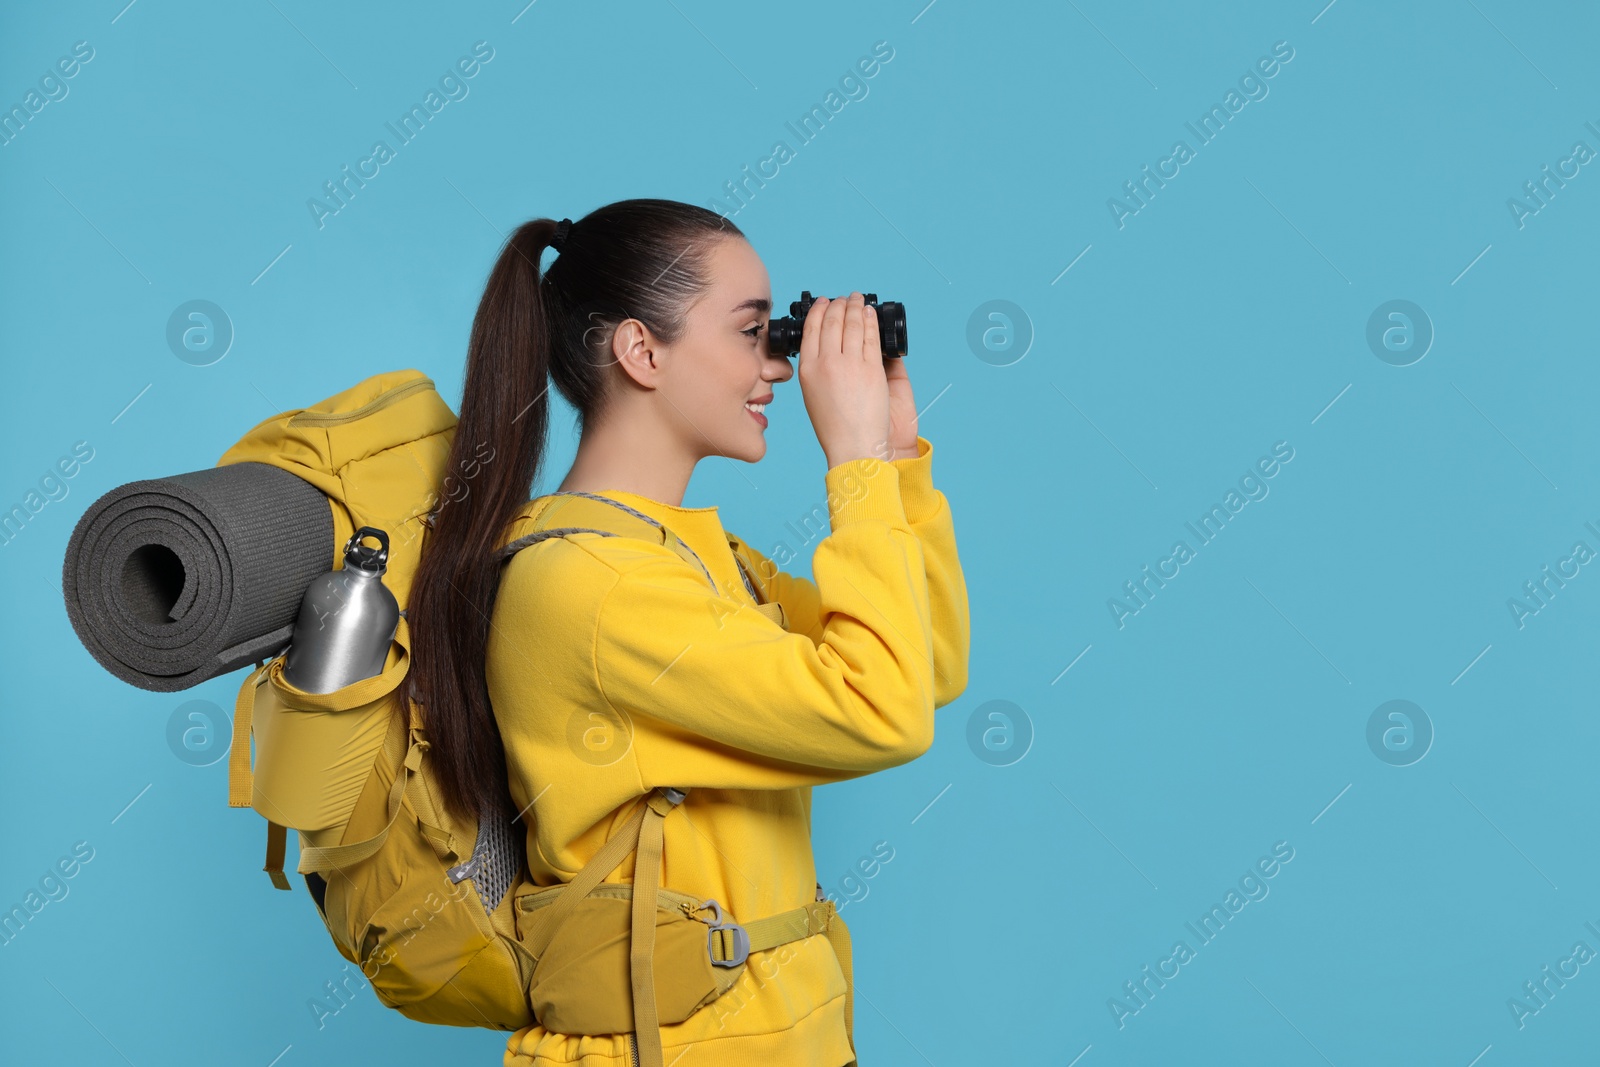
x: 756, y: 407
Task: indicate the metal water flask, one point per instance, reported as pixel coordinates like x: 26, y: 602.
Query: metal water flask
x: 347, y: 619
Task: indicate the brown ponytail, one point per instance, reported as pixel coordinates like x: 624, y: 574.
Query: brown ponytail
x: 641, y: 259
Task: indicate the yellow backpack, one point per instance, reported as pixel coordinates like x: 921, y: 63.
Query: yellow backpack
x: 441, y: 916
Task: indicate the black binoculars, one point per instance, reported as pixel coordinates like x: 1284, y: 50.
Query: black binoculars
x: 783, y: 335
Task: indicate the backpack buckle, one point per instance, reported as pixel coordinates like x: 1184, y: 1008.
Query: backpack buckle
x: 469, y: 869
x: 727, y: 943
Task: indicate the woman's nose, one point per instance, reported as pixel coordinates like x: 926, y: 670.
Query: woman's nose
x: 779, y: 368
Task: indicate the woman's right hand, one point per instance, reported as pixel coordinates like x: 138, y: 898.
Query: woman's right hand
x: 843, y: 381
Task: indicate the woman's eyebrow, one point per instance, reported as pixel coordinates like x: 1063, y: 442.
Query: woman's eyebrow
x: 753, y: 304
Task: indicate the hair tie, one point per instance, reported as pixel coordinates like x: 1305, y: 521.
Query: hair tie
x: 560, y: 239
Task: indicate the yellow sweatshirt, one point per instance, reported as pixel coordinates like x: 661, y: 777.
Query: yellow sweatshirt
x: 614, y: 668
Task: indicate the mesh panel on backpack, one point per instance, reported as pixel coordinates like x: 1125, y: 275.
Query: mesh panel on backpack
x: 500, y: 847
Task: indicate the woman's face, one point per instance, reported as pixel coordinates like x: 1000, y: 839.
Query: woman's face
x: 721, y: 363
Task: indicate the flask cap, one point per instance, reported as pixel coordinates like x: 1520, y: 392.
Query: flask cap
x: 366, y: 558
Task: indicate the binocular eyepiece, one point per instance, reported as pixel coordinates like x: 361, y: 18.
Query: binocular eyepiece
x: 783, y: 335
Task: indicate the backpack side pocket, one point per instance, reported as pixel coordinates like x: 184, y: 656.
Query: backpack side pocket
x: 315, y: 751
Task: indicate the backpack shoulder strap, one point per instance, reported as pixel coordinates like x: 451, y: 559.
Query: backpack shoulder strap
x: 771, y: 609
x: 580, y: 516
x: 605, y: 520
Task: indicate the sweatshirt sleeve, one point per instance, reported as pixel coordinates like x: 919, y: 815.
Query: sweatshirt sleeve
x: 928, y: 514
x: 718, y: 695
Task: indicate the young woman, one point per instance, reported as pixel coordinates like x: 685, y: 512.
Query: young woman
x: 588, y: 671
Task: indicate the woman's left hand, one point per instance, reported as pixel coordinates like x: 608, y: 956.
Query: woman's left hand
x: 902, y: 409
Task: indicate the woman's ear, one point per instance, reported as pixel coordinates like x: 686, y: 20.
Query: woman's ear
x: 634, y: 348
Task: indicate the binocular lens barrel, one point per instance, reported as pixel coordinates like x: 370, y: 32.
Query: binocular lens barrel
x: 783, y: 335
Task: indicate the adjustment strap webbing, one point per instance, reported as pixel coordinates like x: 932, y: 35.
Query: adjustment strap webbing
x: 276, y: 838
x: 791, y: 925
x: 240, y: 778
x: 430, y: 818
x: 642, y: 936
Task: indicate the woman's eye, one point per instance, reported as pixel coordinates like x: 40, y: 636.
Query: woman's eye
x: 753, y: 332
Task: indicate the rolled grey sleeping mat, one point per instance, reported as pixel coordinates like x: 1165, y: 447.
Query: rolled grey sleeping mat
x: 171, y: 581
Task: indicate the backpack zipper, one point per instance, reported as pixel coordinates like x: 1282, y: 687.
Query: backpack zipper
x: 633, y: 1049
x: 377, y: 403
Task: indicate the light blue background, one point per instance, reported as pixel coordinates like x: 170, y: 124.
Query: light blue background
x: 1227, y: 315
